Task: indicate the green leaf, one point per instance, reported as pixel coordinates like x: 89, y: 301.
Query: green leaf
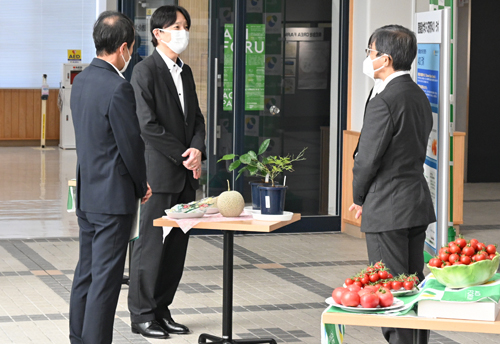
x: 246, y: 158
x: 227, y: 157
x: 252, y: 154
x: 241, y: 171
x: 263, y: 146
x: 234, y: 165
x: 252, y: 169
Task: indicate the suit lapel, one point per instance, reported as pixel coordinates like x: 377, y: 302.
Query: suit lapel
x: 167, y: 78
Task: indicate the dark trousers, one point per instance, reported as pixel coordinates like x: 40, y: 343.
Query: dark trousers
x: 98, y: 276
x: 157, y: 266
x: 402, y: 251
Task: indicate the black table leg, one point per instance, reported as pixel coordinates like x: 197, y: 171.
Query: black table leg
x: 227, y: 302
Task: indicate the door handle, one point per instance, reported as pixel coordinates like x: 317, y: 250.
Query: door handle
x: 216, y: 88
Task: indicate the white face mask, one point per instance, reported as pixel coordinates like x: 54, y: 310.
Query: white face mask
x: 126, y: 62
x: 368, y: 67
x: 179, y: 40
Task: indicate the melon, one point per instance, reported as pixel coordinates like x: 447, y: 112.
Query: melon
x: 230, y: 203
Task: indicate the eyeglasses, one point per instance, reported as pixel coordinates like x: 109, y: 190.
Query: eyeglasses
x: 368, y: 51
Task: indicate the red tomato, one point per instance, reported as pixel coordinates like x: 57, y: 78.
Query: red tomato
x: 453, y: 258
x: 385, y: 298
x: 444, y: 256
x: 465, y: 260
x: 348, y: 281
x: 396, y: 285
x: 370, y: 269
x: 477, y: 257
x: 379, y: 265
x: 383, y: 274
x: 359, y: 284
x: 434, y: 262
x: 480, y: 246
x: 468, y: 250
x: 365, y: 279
x: 454, y: 248
x: 350, y: 299
x: 492, y: 255
x: 485, y: 254
x: 408, y: 285
x: 491, y: 249
x: 457, y: 263
x: 369, y: 300
x: 387, y: 285
x: 337, y: 294
x: 354, y: 287
x: 378, y: 286
x: 390, y: 276
x: 364, y: 291
x: 443, y: 249
x: 445, y: 264
x: 461, y: 242
x: 371, y: 288
x: 451, y: 243
x: 374, y: 277
x: 473, y: 243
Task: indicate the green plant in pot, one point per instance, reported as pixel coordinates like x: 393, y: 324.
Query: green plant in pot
x: 272, y: 197
x: 255, y: 164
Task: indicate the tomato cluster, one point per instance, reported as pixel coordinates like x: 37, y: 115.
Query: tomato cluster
x: 379, y: 276
x: 368, y: 297
x: 463, y: 252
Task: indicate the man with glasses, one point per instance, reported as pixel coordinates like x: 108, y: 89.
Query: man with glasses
x: 173, y: 129
x: 389, y: 187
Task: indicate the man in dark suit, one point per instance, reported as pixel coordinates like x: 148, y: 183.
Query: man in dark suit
x: 389, y: 187
x: 173, y: 129
x: 111, y: 178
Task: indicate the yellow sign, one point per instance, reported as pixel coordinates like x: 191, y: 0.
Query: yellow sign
x: 74, y: 55
x: 150, y: 11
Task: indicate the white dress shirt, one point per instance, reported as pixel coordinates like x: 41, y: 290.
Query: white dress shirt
x: 117, y: 70
x: 381, y: 84
x: 175, y: 71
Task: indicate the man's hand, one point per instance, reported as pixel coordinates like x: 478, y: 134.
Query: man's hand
x: 358, y: 208
x: 148, y: 194
x: 193, y: 162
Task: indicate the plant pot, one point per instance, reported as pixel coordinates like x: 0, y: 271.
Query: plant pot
x: 272, y: 199
x: 256, y: 193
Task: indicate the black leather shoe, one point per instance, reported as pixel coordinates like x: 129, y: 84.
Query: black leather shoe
x: 171, y: 326
x: 150, y: 329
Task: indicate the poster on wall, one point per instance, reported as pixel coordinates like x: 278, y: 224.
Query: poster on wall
x: 254, y: 68
x: 428, y: 61
x: 313, y: 65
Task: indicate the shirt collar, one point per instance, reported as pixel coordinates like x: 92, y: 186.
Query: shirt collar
x: 380, y: 85
x: 118, y: 71
x: 171, y: 64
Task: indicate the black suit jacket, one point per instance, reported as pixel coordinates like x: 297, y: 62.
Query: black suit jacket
x: 166, y: 130
x: 388, y: 178
x: 111, y: 171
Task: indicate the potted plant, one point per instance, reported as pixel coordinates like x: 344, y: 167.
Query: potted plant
x: 255, y: 164
x: 272, y: 197
x: 268, y: 168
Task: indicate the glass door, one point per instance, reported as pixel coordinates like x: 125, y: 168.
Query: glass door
x: 287, y: 76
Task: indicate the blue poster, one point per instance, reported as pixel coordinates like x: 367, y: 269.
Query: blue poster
x: 428, y: 60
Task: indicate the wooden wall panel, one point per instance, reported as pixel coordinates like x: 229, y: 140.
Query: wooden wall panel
x: 350, y: 141
x: 20, y: 113
x: 196, y: 54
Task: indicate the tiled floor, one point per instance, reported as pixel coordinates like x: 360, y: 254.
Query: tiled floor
x: 38, y: 252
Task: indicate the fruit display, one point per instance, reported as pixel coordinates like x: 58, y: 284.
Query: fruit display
x: 230, y: 203
x: 374, y: 287
x: 379, y: 276
x: 465, y: 263
x: 200, y: 206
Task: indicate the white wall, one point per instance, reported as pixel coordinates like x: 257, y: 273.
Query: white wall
x: 368, y: 16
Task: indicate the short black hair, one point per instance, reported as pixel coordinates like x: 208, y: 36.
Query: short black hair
x: 111, y: 30
x: 164, y: 17
x: 398, y: 42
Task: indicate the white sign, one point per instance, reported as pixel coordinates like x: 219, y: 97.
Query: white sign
x: 429, y: 27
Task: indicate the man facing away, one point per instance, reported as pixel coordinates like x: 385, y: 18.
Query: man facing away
x: 389, y: 187
x: 111, y: 178
x: 173, y: 129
